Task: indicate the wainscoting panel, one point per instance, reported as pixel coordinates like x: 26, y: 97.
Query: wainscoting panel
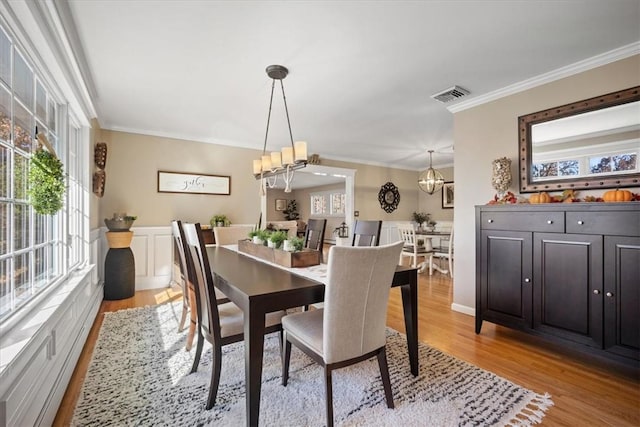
x: 152, y: 250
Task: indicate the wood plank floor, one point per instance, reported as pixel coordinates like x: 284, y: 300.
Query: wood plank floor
x: 586, y: 391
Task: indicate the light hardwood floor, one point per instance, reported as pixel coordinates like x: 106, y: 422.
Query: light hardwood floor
x: 586, y: 391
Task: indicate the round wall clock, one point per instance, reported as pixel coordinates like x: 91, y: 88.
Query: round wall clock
x: 389, y: 197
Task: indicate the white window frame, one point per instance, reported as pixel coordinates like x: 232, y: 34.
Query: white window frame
x: 328, y: 208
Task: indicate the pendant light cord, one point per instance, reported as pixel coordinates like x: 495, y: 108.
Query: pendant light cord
x: 286, y: 110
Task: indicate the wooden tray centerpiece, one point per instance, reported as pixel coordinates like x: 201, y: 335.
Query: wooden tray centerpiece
x: 304, y: 258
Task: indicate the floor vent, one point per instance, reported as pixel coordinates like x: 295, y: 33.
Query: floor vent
x: 451, y: 94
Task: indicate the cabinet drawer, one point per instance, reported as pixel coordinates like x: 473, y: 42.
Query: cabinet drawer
x: 594, y: 222
x: 550, y: 222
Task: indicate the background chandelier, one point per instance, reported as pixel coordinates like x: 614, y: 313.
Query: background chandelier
x: 284, y: 163
x: 431, y: 180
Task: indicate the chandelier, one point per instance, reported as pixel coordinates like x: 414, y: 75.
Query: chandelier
x: 279, y: 163
x: 431, y: 180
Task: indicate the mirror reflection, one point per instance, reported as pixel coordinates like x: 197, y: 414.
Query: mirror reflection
x: 593, y: 143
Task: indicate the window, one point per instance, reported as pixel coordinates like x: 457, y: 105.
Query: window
x: 328, y: 203
x: 36, y: 251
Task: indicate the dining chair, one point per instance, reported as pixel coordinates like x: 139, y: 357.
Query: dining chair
x: 219, y: 324
x: 290, y: 226
x: 185, y: 284
x: 411, y: 248
x: 230, y: 235
x: 443, y: 251
x: 314, y: 236
x: 350, y: 328
x: 366, y: 233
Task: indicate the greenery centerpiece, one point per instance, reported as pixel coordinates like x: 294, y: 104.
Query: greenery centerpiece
x: 276, y: 238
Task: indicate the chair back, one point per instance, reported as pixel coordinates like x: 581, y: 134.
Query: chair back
x: 314, y: 237
x: 356, y: 298
x: 208, y: 315
x: 230, y: 235
x: 366, y: 233
x: 179, y: 240
x: 407, y: 235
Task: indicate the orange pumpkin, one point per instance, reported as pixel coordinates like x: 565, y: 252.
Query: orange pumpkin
x: 542, y: 197
x: 617, y: 196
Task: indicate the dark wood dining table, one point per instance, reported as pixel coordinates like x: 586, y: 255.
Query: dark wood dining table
x: 259, y: 288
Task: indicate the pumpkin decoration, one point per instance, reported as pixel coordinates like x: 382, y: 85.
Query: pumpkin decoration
x: 542, y: 197
x: 618, y: 196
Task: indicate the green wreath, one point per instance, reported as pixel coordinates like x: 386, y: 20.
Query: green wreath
x: 46, y: 182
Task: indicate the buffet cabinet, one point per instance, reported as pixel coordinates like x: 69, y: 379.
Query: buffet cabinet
x: 569, y: 272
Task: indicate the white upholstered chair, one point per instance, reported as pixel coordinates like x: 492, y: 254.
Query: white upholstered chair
x: 230, y: 235
x: 290, y: 226
x: 350, y: 328
x: 441, y: 253
x: 411, y: 249
x: 220, y: 324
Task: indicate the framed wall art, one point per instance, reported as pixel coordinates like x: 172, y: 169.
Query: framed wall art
x: 281, y: 204
x: 184, y: 182
x: 447, y: 195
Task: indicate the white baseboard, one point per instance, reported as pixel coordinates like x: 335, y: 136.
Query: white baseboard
x: 463, y: 309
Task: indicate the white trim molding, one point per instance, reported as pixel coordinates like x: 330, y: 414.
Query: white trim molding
x: 578, y: 67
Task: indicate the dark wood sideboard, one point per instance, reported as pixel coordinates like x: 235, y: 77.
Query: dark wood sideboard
x: 568, y: 272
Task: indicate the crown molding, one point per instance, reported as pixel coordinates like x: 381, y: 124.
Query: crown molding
x: 560, y: 73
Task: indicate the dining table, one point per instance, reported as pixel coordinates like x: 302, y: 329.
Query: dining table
x: 259, y: 287
x: 428, y: 246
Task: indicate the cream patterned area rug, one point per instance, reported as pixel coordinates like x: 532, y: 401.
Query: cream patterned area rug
x: 139, y: 376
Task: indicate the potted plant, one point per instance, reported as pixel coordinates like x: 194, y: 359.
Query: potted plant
x: 220, y: 221
x: 291, y: 212
x: 276, y: 238
x: 120, y: 222
x: 260, y: 237
x: 420, y: 217
x: 294, y: 244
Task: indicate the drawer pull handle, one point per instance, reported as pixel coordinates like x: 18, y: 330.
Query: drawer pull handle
x: 580, y: 222
x: 596, y: 291
x: 609, y: 294
x: 489, y: 221
x: 549, y: 222
x: 527, y: 280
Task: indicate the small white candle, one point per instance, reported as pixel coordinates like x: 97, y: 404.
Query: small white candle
x: 300, y: 150
x: 287, y: 155
x: 276, y: 160
x: 266, y: 163
x: 257, y: 166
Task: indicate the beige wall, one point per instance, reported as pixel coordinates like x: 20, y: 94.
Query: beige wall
x: 133, y: 162
x: 489, y: 131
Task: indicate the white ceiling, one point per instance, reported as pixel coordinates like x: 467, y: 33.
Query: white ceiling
x: 361, y: 72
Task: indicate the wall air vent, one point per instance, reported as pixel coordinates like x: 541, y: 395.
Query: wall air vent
x: 450, y: 94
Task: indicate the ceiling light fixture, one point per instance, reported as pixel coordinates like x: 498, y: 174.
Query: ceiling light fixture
x: 431, y: 180
x: 284, y: 163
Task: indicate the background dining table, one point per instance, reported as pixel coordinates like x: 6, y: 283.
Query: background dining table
x: 259, y: 287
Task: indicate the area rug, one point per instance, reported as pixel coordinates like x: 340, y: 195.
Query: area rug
x: 139, y: 375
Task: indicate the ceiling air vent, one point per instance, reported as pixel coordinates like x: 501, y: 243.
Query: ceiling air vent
x: 450, y: 94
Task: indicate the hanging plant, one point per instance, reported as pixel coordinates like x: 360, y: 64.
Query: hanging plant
x: 46, y: 182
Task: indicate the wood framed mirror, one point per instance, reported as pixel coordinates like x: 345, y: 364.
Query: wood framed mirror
x: 589, y: 144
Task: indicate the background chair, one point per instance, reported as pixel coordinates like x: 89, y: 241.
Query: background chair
x: 411, y: 248
x: 231, y: 235
x: 219, y: 324
x: 314, y: 236
x: 444, y: 251
x: 290, y: 226
x: 366, y: 233
x: 350, y: 328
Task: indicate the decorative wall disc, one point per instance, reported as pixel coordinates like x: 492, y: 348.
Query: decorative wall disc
x: 389, y: 197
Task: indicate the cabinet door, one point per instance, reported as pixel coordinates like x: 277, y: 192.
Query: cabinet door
x: 505, y: 278
x: 567, y: 287
x: 622, y: 295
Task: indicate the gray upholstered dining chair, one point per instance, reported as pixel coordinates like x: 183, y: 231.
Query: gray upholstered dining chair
x: 366, y: 233
x: 314, y: 236
x: 219, y: 324
x: 350, y: 328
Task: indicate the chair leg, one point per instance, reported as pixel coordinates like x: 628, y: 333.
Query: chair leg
x: 286, y: 357
x: 384, y: 373
x: 329, y: 395
x: 194, y: 321
x: 183, y: 317
x: 196, y: 358
x: 215, y: 376
x: 431, y: 265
